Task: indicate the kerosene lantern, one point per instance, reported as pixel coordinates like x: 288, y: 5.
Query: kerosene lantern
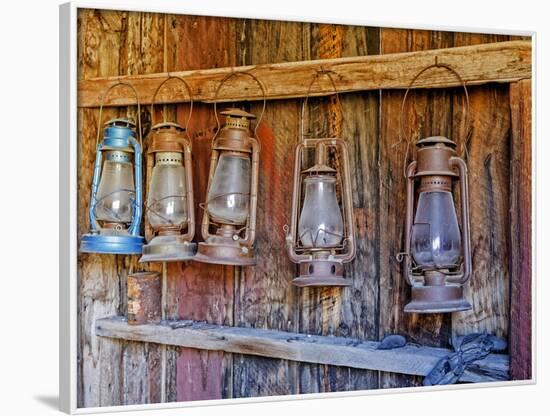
x: 115, y: 204
x: 229, y: 220
x: 321, y: 234
x: 169, y: 207
x: 438, y: 258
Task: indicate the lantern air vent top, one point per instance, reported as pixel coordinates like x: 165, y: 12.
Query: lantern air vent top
x: 237, y: 112
x: 237, y: 118
x: 428, y: 141
x: 168, y: 125
x: 120, y: 122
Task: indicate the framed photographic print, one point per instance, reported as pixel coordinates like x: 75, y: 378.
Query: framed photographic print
x: 266, y: 209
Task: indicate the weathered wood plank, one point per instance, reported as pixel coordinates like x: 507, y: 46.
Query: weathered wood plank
x: 264, y: 296
x: 99, y: 370
x: 351, y: 311
x: 425, y: 114
x: 520, y: 232
x: 205, y: 291
x: 488, y: 159
x: 480, y: 64
x: 339, y: 351
x: 142, y: 47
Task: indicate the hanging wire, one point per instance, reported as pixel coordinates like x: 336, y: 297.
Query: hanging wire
x: 102, y: 100
x: 189, y: 92
x: 401, y: 135
x: 329, y: 74
x: 227, y: 78
x: 318, y: 74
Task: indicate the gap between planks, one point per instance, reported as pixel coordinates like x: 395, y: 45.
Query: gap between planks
x: 479, y: 64
x: 411, y: 359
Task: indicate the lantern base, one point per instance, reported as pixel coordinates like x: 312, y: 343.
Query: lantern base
x: 231, y: 254
x: 111, y: 244
x: 321, y: 273
x: 437, y: 299
x: 168, y: 248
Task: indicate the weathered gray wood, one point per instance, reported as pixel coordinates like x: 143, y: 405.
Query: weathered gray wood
x: 264, y: 296
x: 338, y: 351
x: 99, y: 371
x: 479, y: 64
x: 352, y: 311
x: 520, y: 232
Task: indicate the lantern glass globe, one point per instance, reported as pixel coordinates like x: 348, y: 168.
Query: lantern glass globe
x: 229, y: 194
x: 115, y: 192
x: 167, y: 201
x: 436, y: 241
x: 321, y: 224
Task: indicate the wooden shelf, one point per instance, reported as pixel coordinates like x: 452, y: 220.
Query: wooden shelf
x: 478, y: 64
x: 410, y: 359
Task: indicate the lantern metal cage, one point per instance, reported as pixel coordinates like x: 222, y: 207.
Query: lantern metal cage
x: 229, y: 218
x: 116, y: 198
x: 438, y: 258
x: 321, y: 236
x: 170, y: 203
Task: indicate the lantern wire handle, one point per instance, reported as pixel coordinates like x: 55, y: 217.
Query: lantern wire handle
x: 227, y: 78
x: 189, y: 92
x: 318, y: 74
x: 401, y: 134
x: 102, y: 100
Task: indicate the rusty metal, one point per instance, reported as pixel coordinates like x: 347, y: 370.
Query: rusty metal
x: 436, y: 166
x: 322, y: 267
x: 171, y: 141
x: 144, y: 298
x: 228, y: 244
x: 400, y: 132
x: 437, y: 291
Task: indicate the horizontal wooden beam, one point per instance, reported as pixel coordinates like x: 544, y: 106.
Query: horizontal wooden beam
x: 410, y: 359
x: 478, y: 64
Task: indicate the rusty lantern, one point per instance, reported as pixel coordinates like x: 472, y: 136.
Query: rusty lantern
x: 170, y: 208
x: 437, y: 252
x: 320, y: 238
x: 229, y: 220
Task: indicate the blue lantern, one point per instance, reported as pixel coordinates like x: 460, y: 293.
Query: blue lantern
x: 116, y: 201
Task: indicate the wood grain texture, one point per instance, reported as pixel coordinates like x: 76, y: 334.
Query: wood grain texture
x: 336, y: 351
x: 113, y: 371
x: 348, y: 311
x: 488, y: 156
x: 499, y: 62
x: 110, y: 43
x: 99, y: 370
x: 264, y: 296
x: 142, y: 45
x: 520, y: 232
x: 205, y: 291
x: 425, y: 114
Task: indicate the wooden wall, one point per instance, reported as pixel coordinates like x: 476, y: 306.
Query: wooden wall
x: 114, y: 372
